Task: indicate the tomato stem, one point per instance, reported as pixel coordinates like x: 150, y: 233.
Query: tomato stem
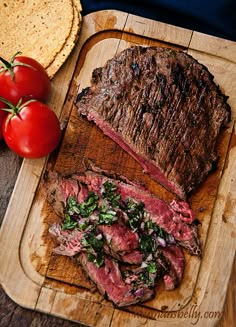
x: 14, y: 56
x: 7, y: 103
x: 24, y: 104
x: 6, y: 66
x: 11, y: 64
x: 16, y: 109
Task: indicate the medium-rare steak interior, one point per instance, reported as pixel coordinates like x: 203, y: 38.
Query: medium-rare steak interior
x: 125, y: 238
x: 162, y: 107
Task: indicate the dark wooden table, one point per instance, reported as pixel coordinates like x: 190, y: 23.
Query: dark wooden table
x: 12, y: 315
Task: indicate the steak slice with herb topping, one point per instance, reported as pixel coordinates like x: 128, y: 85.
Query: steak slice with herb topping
x: 122, y: 242
x: 125, y: 238
x: 142, y: 210
x: 162, y: 107
x: 110, y: 283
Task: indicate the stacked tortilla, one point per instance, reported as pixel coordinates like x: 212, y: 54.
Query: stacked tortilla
x: 44, y: 30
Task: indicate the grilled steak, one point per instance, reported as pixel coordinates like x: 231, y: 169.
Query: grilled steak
x: 125, y: 238
x: 163, y: 108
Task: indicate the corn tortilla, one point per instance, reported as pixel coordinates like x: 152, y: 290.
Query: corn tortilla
x: 37, y: 28
x: 69, y: 44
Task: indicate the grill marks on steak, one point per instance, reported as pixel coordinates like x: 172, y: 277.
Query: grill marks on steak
x: 127, y: 275
x: 163, y: 108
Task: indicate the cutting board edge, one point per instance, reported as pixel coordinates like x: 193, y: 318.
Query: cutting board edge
x: 87, y: 36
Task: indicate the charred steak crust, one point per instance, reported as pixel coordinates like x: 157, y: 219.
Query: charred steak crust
x: 163, y: 107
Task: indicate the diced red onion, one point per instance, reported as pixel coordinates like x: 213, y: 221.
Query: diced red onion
x: 144, y: 265
x: 139, y: 292
x: 99, y: 237
x: 150, y: 257
x: 142, y: 225
x: 150, y: 231
x: 108, y: 238
x: 161, y: 241
x: 170, y: 239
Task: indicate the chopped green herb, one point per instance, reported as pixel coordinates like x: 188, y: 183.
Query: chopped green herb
x: 106, y: 218
x: 110, y: 194
x: 83, y: 225
x: 152, y: 267
x: 89, y: 205
x: 106, y: 215
x: 145, y: 277
x: 72, y: 206
x: 109, y: 187
x: 150, y: 225
x: 94, y: 247
x: 74, y: 209
x: 91, y: 242
x: 161, y: 233
x: 91, y: 257
x: 135, y: 213
x: 147, y: 244
x: 68, y: 223
x: 98, y: 260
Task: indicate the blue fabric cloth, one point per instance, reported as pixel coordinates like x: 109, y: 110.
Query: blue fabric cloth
x: 214, y: 17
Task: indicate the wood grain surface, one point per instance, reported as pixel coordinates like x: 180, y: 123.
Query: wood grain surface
x: 54, y: 281
x: 13, y: 315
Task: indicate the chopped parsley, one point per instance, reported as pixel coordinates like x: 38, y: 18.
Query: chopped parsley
x: 106, y: 214
x: 150, y: 225
x: 69, y: 223
x: 107, y: 217
x: 147, y: 244
x: 94, y: 248
x: 135, y: 212
x: 89, y: 205
x: 72, y: 206
x: 111, y: 195
x: 91, y: 242
x: 145, y: 277
x: 74, y: 210
x: 97, y: 259
x: 152, y: 267
x: 82, y: 225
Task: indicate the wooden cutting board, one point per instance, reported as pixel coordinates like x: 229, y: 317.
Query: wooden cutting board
x: 37, y: 279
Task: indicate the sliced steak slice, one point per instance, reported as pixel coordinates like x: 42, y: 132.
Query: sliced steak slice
x: 58, y: 192
x: 110, y: 283
x: 174, y: 255
x: 122, y: 243
x: 60, y: 189
x: 69, y: 241
x: 162, y: 107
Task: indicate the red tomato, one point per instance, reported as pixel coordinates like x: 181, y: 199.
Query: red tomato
x: 33, y: 132
x: 19, y: 81
x: 2, y: 117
